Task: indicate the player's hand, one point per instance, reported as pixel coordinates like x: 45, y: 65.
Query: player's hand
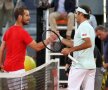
x: 52, y: 38
x: 66, y: 51
x: 1, y: 67
x: 68, y: 37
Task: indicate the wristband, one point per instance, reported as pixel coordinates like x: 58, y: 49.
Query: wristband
x: 61, y: 38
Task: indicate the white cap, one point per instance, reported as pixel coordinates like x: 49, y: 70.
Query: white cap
x: 81, y: 10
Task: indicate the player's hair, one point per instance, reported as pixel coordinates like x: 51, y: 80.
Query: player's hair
x: 19, y: 11
x: 101, y: 28
x: 86, y: 8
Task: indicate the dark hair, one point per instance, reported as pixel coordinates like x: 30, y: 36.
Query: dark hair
x: 86, y: 8
x: 101, y: 28
x: 19, y: 11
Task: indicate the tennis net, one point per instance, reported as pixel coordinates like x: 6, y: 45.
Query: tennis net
x: 44, y: 77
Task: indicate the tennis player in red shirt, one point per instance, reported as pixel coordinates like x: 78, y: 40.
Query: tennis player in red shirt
x: 15, y: 41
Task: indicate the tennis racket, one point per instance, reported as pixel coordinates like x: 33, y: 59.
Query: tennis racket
x: 55, y: 46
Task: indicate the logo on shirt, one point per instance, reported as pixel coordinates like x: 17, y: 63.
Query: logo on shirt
x: 84, y: 34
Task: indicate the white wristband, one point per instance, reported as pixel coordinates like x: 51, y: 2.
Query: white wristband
x: 61, y: 38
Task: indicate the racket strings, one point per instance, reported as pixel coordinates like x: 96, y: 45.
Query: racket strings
x: 56, y: 46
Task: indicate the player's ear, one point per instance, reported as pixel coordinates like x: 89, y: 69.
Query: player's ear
x: 20, y: 16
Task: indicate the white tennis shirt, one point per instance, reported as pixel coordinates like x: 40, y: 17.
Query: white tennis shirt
x: 85, y: 57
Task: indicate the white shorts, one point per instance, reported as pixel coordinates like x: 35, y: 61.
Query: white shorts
x: 78, y: 77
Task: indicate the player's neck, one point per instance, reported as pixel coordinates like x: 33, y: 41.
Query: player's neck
x: 18, y: 24
x: 82, y: 20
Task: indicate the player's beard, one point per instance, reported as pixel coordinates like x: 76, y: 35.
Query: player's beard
x: 24, y: 23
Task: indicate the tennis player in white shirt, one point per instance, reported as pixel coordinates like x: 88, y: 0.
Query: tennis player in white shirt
x: 83, y: 72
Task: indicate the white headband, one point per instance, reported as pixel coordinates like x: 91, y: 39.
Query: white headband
x: 81, y: 10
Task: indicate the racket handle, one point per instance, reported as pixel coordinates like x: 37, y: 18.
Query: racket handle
x: 73, y: 59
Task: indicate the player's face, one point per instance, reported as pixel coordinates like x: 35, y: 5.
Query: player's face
x: 26, y: 17
x: 77, y: 16
x: 101, y: 34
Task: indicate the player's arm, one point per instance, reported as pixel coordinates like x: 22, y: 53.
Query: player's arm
x: 87, y: 44
x: 2, y: 49
x: 67, y: 42
x: 38, y: 46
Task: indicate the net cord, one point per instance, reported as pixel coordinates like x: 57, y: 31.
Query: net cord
x: 12, y: 75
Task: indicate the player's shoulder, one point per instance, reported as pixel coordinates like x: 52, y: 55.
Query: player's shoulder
x: 14, y: 28
x: 9, y: 29
x: 86, y: 25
